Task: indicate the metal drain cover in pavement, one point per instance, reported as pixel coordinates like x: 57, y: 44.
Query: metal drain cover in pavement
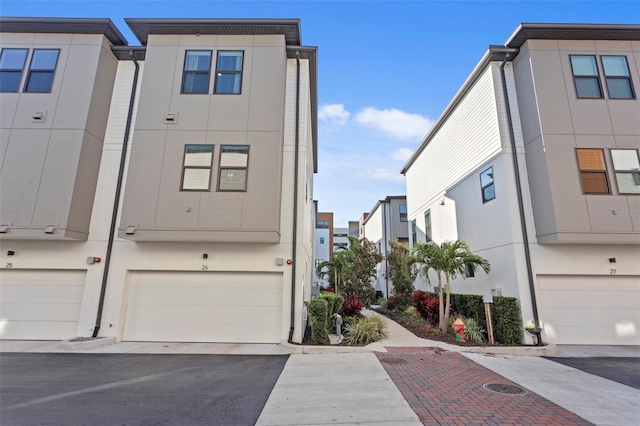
x: 504, y: 389
x: 393, y: 360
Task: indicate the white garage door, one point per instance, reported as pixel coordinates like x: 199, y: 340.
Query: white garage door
x: 601, y: 310
x: 40, y: 304
x: 240, y: 307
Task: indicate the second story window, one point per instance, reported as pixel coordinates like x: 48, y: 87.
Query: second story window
x: 403, y: 213
x: 486, y: 183
x: 585, y: 76
x: 616, y: 74
x: 427, y: 225
x: 11, y: 66
x: 627, y: 168
x: 593, y: 171
x: 197, y: 66
x: 196, y: 168
x: 414, y: 231
x: 234, y: 161
x: 321, y: 240
x: 229, y: 72
x: 41, y: 70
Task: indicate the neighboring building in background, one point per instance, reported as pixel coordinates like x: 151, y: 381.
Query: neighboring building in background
x: 386, y: 222
x: 354, y: 228
x: 361, y: 225
x: 323, y: 245
x: 535, y: 164
x: 195, y: 135
x: 340, y: 239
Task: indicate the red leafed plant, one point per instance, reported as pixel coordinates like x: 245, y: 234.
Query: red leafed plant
x: 329, y: 289
x: 427, y: 305
x: 351, y: 306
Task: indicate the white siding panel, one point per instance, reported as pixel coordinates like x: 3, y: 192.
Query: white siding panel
x: 241, y: 307
x: 469, y: 137
x: 40, y: 304
x: 373, y: 227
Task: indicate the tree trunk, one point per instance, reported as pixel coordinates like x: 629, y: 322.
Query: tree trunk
x: 443, y: 325
x: 448, y: 305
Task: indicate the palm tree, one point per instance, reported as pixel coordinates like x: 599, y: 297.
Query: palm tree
x: 451, y: 259
x: 335, y: 267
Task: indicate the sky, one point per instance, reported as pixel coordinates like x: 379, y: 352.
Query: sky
x: 386, y: 69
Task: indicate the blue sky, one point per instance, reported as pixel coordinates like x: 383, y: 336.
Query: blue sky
x: 387, y: 69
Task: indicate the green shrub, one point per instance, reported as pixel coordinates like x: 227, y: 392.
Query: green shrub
x: 468, y: 306
x: 505, y: 315
x: 334, y: 303
x: 347, y: 321
x: 411, y: 317
x: 318, y: 320
x: 366, y: 330
x: 473, y: 332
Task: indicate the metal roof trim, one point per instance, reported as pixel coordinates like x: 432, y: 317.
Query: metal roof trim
x: 36, y: 25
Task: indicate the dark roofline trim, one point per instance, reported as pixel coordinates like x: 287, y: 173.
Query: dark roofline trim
x: 102, y: 26
x: 143, y: 27
x: 387, y: 200
x: 523, y: 33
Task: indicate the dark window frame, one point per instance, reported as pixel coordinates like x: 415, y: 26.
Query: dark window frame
x: 484, y: 187
x: 469, y: 271
x: 30, y: 72
x: 414, y: 231
x: 635, y: 174
x: 185, y: 72
x: 594, y: 171
x: 615, y: 77
x: 585, y: 76
x: 15, y: 70
x: 221, y: 168
x: 403, y: 215
x: 428, y: 234
x: 185, y: 167
x: 218, y: 73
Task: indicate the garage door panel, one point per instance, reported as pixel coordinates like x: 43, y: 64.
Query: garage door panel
x: 41, y: 311
x: 38, y: 330
x: 204, y: 307
x: 203, y: 314
x: 207, y: 279
x: 208, y: 296
x: 40, y: 304
x: 602, y: 310
x: 590, y: 299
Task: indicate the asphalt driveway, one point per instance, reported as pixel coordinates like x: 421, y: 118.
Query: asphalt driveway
x: 621, y: 370
x: 123, y: 389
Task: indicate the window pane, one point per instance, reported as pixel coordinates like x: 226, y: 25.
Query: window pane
x: 229, y: 61
x: 486, y: 177
x: 591, y: 159
x: 228, y: 83
x: 625, y: 159
x: 197, y: 60
x: 628, y: 183
x: 44, y: 59
x: 10, y: 81
x: 594, y: 183
x: 39, y: 81
x: 584, y: 65
x: 196, y: 83
x: 403, y: 213
x: 615, y: 66
x: 488, y: 193
x: 198, y: 155
x: 234, y: 156
x: 588, y: 87
x: 619, y: 88
x: 232, y: 179
x: 13, y: 59
x: 196, y: 179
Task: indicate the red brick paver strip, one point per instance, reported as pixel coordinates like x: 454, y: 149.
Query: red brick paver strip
x: 445, y: 388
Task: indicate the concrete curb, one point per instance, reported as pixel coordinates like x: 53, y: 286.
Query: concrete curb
x: 84, y: 345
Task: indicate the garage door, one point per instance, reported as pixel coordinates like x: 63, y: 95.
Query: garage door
x: 600, y: 310
x: 236, y: 307
x: 40, y: 304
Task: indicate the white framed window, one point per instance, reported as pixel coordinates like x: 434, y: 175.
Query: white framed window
x: 196, y: 168
x: 41, y: 70
x: 627, y: 169
x: 617, y: 77
x: 11, y: 68
x: 196, y: 73
x: 586, y: 76
x: 229, y: 72
x: 234, y: 162
x: 427, y: 226
x: 414, y: 231
x: 487, y: 185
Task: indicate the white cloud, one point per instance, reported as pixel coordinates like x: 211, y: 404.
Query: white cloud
x: 334, y: 114
x: 386, y: 174
x: 402, y: 154
x: 399, y: 124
